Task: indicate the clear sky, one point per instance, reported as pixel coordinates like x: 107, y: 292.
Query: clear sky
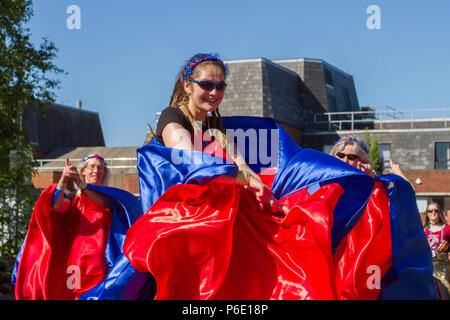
x: 123, y: 60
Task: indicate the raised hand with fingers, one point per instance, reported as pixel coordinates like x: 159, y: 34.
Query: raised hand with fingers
x: 70, y: 172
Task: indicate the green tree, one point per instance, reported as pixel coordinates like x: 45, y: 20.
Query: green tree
x: 374, y: 152
x: 25, y: 71
x: 374, y: 156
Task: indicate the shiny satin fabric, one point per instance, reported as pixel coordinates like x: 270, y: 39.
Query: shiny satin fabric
x: 298, y: 177
x: 300, y: 172
x: 364, y: 256
x: 61, y: 247
x: 158, y: 172
x: 298, y: 168
x: 199, y: 244
x: 410, y: 276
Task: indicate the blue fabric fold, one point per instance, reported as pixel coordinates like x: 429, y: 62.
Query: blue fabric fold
x: 410, y: 276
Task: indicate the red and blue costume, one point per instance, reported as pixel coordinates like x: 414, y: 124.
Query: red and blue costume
x: 65, y: 254
x: 346, y: 235
x: 202, y: 239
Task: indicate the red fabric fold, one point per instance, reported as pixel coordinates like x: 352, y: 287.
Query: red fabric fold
x: 64, y: 253
x: 364, y: 255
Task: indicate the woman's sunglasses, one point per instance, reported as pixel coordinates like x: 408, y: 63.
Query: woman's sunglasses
x: 433, y: 210
x: 209, y: 86
x: 351, y: 157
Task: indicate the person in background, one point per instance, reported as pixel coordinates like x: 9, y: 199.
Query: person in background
x: 438, y: 235
x: 193, y: 119
x: 354, y: 152
x: 93, y: 170
x: 447, y: 216
x: 64, y: 252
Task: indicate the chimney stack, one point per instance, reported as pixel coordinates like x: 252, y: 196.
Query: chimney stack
x: 79, y: 103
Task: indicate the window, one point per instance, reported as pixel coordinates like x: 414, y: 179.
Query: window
x: 328, y: 77
x: 442, y: 155
x: 422, y: 203
x: 384, y: 150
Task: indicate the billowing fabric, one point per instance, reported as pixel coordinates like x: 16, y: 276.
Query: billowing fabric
x: 346, y: 236
x: 66, y: 254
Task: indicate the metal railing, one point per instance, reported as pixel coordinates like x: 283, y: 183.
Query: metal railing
x: 335, y: 120
x: 45, y: 164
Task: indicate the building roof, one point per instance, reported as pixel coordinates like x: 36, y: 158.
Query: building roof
x: 62, y: 126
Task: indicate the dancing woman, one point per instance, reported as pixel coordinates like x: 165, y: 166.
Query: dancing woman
x: 72, y: 238
x: 192, y: 120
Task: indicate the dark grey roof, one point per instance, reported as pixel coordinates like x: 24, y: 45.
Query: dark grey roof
x: 289, y: 90
x: 62, y: 126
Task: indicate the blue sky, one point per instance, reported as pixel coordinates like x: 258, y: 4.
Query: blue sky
x: 123, y: 61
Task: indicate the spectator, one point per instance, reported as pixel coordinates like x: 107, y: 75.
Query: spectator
x: 447, y: 216
x: 438, y: 235
x: 68, y: 229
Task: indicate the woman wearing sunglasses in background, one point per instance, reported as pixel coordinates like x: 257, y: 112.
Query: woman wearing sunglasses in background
x: 438, y: 235
x: 354, y: 152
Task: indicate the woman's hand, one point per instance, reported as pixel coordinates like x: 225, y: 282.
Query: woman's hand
x: 365, y: 167
x: 265, y: 198
x: 70, y: 172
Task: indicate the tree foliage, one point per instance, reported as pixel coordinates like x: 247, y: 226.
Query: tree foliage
x: 374, y: 152
x: 25, y: 80
x: 374, y: 156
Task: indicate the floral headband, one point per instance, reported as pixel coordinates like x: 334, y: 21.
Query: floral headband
x: 198, y: 58
x: 95, y: 155
x: 350, y: 137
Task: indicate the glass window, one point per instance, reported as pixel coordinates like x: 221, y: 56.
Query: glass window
x: 442, y: 155
x: 384, y: 150
x: 328, y: 77
x: 422, y: 203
